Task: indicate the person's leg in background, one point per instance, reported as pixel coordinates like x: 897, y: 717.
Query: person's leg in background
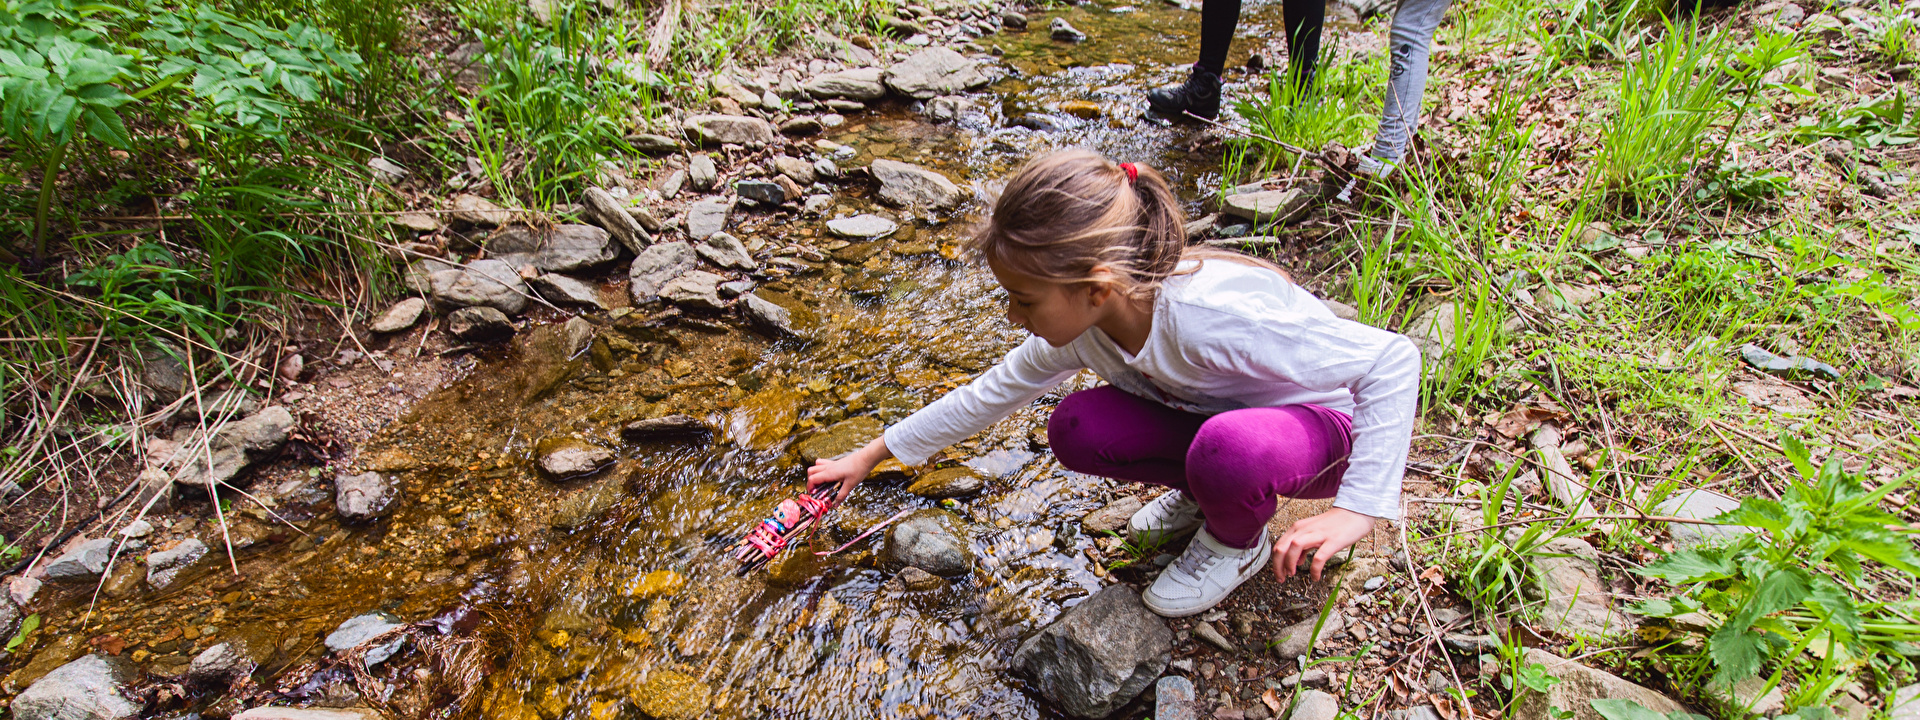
x: 1411, y: 43
x: 1303, y: 19
x: 1200, y: 94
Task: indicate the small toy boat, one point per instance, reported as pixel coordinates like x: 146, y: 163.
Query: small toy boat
x: 796, y: 516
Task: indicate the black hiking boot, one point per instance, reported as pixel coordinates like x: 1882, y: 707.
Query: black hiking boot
x: 1199, y: 95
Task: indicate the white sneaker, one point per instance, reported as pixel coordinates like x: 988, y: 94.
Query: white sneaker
x: 1204, y: 575
x: 1166, y: 517
x: 1374, y: 167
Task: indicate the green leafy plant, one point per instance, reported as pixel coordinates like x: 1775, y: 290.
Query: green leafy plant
x: 1614, y: 709
x: 1736, y: 184
x: 1666, y: 101
x: 27, y: 626
x: 1886, y: 121
x: 1796, y: 582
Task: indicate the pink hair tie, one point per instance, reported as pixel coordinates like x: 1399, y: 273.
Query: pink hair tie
x: 1133, y: 173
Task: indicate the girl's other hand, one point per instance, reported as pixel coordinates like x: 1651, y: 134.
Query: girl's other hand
x: 1326, y: 534
x: 848, y: 470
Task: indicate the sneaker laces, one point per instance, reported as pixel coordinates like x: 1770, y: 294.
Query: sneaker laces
x: 1197, y: 559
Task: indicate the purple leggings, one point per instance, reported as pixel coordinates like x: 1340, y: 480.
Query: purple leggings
x: 1235, y: 464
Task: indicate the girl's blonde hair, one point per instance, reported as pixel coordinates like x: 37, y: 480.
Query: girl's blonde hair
x: 1066, y: 213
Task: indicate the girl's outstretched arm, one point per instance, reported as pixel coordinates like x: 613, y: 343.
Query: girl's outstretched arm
x: 848, y: 470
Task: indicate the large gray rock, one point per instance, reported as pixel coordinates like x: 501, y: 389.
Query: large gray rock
x: 476, y: 210
x: 799, y: 171
x: 707, y: 217
x: 610, y: 213
x: 858, y: 84
x: 934, y: 72
x: 219, y: 664
x: 1700, y: 505
x: 491, y: 282
x: 564, y: 249
x: 650, y: 144
x: 1904, y: 704
x: 362, y: 629
x: 761, y: 191
x: 165, y: 565
x: 1099, y: 655
x: 726, y: 251
x: 84, y: 561
x: 1065, y: 32
x: 91, y: 688
x: 730, y: 129
x: 656, y: 265
x: 1578, y: 604
x: 237, y: 445
x: 695, y: 289
x: 1579, y: 685
x: 402, y: 315
x: 702, y: 173
x: 862, y: 227
x: 479, y: 324
x: 916, y: 187
x: 562, y: 290
x: 932, y: 540
x: 1267, y: 207
x: 363, y: 496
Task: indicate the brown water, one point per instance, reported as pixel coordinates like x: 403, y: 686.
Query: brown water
x: 592, y: 597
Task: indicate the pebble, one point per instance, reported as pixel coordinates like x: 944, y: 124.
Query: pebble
x: 1205, y: 631
x: 1374, y: 583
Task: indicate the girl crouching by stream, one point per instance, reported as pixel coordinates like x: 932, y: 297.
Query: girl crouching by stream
x: 1227, y: 383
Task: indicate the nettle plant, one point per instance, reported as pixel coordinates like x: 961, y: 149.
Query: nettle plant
x: 1804, y: 591
x: 71, y: 71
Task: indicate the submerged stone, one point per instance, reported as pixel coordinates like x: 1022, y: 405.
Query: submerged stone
x: 670, y: 695
x: 362, y: 629
x: 842, y: 438
x: 932, y: 540
x: 949, y: 483
x: 565, y: 457
x: 862, y: 227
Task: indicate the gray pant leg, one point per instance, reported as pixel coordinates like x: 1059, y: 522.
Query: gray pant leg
x: 1413, y: 24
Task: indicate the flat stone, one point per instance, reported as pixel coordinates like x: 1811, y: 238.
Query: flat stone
x: 707, y: 217
x: 730, y: 129
x: 856, y: 84
x: 562, y: 290
x: 563, y: 248
x: 1905, y: 703
x: 362, y: 629
x: 611, y: 215
x: 1578, y: 686
x: 932, y: 540
x: 479, y: 324
x: 1113, y: 517
x: 655, y: 266
x: 165, y: 565
x: 90, y: 688
x: 817, y: 205
x: 476, y: 210
x: 1292, y: 641
x: 801, y: 125
x: 797, y: 170
x: 563, y: 457
x: 646, y: 218
x: 1746, y: 697
x: 1314, y: 705
x: 416, y: 221
x: 1206, y: 631
x: 218, y: 664
x: 1268, y: 207
x: 862, y: 227
x: 1700, y: 505
x: 85, y: 561
x: 237, y: 446
x: 400, y: 316
x: 671, y: 426
x: 843, y: 437
x: 363, y: 496
x: 1578, y: 603
x: 726, y: 251
x: 650, y: 144
x: 916, y: 187
x: 944, y: 483
x: 736, y: 288
x: 493, y: 283
x: 1065, y: 32
x: 1172, y: 695
x: 696, y: 289
x: 702, y: 173
x: 914, y: 579
x: 1341, y: 310
x: 1098, y: 656
x: 934, y: 72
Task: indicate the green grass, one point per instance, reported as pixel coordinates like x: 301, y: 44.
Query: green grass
x: 1663, y: 107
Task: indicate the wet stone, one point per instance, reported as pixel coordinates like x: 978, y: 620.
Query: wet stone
x: 842, y: 438
x: 761, y: 191
x: 697, y: 289
x: 707, y: 217
x: 670, y: 695
x: 362, y: 629
x: 912, y: 186
x: 1017, y: 21
x: 218, y: 664
x: 934, y: 72
x: 655, y: 266
x: 84, y: 561
x: 165, y: 565
x: 1065, y: 32
x: 931, y: 540
x: 363, y: 496
x: 479, y: 324
x: 1098, y: 655
x: 865, y: 226
x: 90, y: 688
x: 400, y: 316
x: 586, y: 504
x: 671, y: 426
x: 736, y: 288
x: 1113, y: 517
x: 566, y: 457
x: 293, y: 713
x: 801, y: 125
x: 949, y: 483
x: 726, y: 251
x: 768, y: 317
x: 563, y: 290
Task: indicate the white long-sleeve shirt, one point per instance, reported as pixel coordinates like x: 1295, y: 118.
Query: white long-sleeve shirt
x: 1226, y: 337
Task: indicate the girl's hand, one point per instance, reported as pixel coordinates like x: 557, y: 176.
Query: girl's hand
x: 1326, y: 534
x: 848, y: 470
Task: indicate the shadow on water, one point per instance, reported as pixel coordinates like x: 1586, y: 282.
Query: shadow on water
x: 600, y: 595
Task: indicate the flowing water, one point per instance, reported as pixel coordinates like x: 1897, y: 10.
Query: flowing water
x: 596, y: 597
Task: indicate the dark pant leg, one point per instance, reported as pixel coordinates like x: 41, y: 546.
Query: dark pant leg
x: 1304, y: 19
x: 1108, y: 432
x: 1218, y: 18
x: 1242, y: 461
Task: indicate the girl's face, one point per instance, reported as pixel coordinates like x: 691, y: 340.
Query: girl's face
x: 1055, y: 311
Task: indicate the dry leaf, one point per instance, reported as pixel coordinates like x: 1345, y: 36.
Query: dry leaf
x: 1444, y: 705
x: 1523, y: 419
x: 1272, y: 701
